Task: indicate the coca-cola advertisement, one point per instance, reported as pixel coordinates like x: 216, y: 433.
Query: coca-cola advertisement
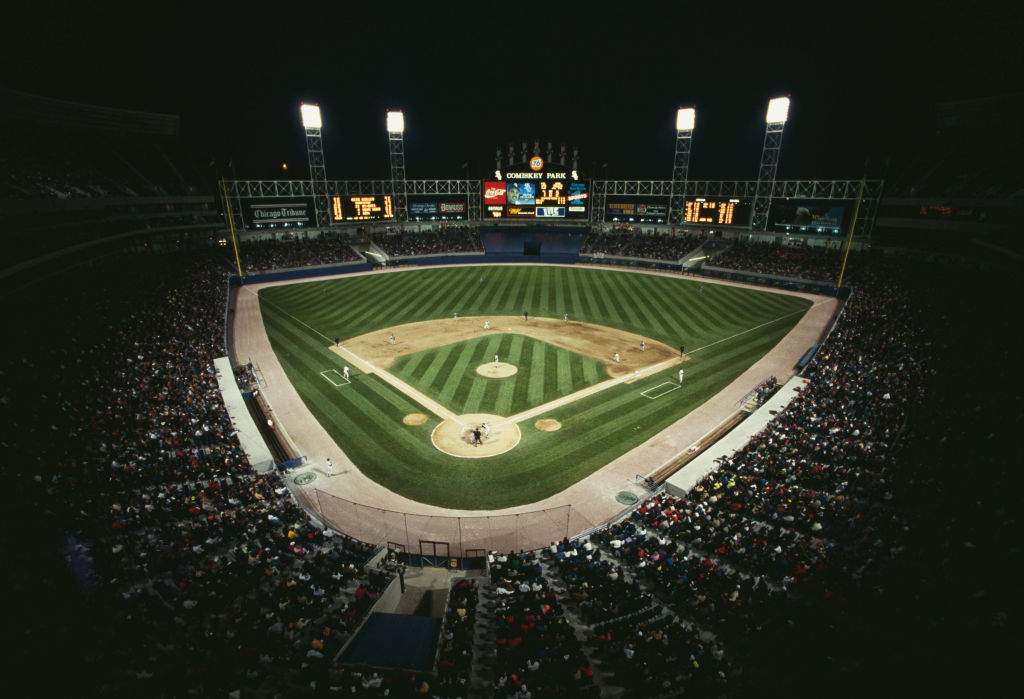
x: 494, y: 192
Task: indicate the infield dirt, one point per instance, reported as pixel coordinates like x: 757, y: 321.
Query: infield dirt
x: 594, y: 341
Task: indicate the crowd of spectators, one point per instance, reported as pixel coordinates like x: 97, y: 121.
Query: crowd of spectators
x: 296, y: 251
x: 188, y: 571
x: 444, y: 239
x: 455, y: 658
x: 650, y: 246
x: 52, y: 167
x: 810, y: 263
x: 536, y: 649
x: 810, y: 533
x: 198, y: 573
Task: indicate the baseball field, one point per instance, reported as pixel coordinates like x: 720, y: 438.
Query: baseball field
x: 445, y: 411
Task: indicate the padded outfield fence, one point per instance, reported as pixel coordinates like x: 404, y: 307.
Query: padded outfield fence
x: 463, y: 535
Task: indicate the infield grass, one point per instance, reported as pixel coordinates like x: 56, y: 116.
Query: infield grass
x: 725, y: 330
x: 448, y: 374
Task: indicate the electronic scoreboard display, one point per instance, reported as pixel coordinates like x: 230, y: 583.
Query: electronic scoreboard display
x: 718, y: 212
x: 374, y: 207
x: 547, y: 194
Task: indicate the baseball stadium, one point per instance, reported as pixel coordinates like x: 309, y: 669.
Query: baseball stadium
x: 529, y: 431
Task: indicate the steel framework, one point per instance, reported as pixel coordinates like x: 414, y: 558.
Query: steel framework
x: 400, y: 200
x: 600, y: 190
x: 680, y: 175
x: 766, y: 175
x: 317, y: 176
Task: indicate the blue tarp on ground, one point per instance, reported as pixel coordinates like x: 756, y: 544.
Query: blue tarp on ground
x: 395, y: 641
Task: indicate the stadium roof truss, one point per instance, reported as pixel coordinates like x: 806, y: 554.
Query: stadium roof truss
x: 600, y: 190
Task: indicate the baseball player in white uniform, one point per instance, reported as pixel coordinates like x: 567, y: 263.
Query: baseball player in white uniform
x: 344, y: 372
x: 495, y: 361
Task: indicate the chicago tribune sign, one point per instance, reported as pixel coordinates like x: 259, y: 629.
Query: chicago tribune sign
x: 270, y: 213
x: 280, y: 214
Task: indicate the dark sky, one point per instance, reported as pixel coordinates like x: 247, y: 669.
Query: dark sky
x: 863, y: 82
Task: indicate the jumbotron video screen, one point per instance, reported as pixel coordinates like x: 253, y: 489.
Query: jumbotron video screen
x: 537, y: 192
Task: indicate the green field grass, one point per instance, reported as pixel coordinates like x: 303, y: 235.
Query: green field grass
x: 725, y: 329
x: 448, y: 374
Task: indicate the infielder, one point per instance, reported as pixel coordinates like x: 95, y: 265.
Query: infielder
x: 616, y: 356
x: 680, y: 376
x: 392, y: 338
x: 344, y: 372
x: 330, y: 468
x: 565, y: 317
x: 643, y: 345
x: 487, y: 325
x: 456, y: 315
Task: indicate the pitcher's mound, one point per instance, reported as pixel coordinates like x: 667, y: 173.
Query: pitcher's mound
x: 414, y: 419
x: 548, y: 425
x: 455, y: 437
x: 497, y: 372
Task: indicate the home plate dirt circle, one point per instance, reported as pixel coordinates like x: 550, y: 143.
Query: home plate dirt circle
x: 455, y: 437
x: 414, y: 419
x: 499, y: 371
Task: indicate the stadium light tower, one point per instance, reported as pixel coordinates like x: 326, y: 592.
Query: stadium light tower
x: 686, y: 117
x: 775, y: 121
x: 396, y: 149
x: 313, y: 123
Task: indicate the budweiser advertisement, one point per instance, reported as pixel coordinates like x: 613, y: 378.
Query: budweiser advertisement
x: 494, y: 192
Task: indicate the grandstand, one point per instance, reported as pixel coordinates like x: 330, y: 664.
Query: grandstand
x: 850, y: 541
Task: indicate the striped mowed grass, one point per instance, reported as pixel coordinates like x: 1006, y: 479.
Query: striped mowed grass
x: 545, y: 372
x: 725, y: 330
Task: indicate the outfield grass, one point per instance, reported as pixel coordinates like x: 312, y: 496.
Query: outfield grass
x: 725, y: 329
x: 448, y: 374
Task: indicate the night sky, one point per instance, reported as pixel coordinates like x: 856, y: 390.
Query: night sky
x: 863, y: 85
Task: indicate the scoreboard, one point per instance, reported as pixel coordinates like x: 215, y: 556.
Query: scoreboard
x: 544, y: 194
x: 374, y: 207
x: 718, y: 212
